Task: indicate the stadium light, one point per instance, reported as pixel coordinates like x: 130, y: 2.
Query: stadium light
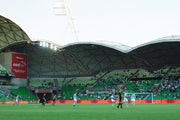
x: 59, y: 7
x: 51, y: 46
x: 44, y: 44
x: 47, y: 44
x: 55, y: 48
x: 41, y: 44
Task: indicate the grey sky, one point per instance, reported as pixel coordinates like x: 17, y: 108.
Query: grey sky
x: 131, y: 22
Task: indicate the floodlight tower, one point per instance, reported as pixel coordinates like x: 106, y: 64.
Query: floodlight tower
x: 61, y: 8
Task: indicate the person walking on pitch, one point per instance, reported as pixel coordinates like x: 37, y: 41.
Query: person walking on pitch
x: 44, y: 100
x: 112, y: 99
x: 54, y: 100
x: 119, y: 99
x: 133, y: 98
x: 126, y: 98
x: 75, y: 99
x: 17, y: 99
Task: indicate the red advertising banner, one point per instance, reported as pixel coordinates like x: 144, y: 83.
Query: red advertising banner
x: 19, y: 65
x: 92, y: 101
x: 44, y: 91
x: 19, y: 102
x: 109, y: 101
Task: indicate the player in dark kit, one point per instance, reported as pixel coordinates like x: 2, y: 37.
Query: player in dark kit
x: 119, y: 99
x: 44, y: 100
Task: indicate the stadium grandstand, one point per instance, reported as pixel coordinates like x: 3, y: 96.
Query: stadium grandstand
x: 93, y: 69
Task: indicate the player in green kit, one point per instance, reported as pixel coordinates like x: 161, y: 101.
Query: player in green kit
x: 54, y: 100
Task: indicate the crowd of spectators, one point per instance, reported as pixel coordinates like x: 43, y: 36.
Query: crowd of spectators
x: 170, y: 87
x: 7, y: 95
x: 44, y: 85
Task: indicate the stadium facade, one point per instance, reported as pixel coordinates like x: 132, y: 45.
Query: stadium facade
x: 81, y: 58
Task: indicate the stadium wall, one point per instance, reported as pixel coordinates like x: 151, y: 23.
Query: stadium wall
x: 6, y: 61
x: 19, y: 82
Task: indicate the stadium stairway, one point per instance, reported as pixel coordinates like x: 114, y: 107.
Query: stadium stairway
x: 129, y: 79
x: 68, y: 82
x: 97, y: 80
x: 57, y: 86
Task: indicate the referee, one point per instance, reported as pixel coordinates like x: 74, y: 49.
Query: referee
x: 44, y: 100
x: 120, y: 99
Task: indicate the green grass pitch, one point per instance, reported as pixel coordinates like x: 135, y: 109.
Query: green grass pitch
x: 90, y: 112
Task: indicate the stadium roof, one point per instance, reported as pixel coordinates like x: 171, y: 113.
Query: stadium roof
x: 86, y: 58
x: 10, y: 33
x: 159, y: 40
x: 89, y: 58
